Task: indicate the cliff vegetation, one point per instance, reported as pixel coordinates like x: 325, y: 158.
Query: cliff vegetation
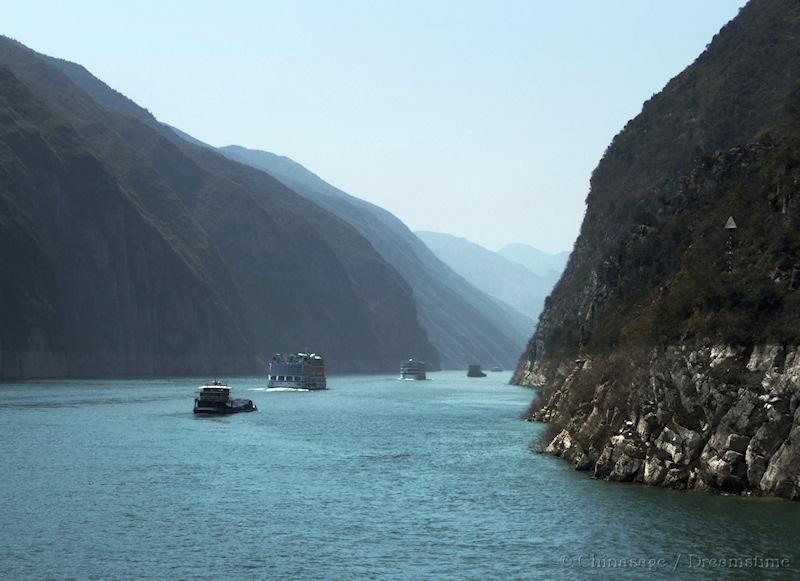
x: 666, y: 353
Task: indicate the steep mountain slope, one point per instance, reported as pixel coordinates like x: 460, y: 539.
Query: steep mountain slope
x: 327, y: 289
x: 93, y: 281
x: 463, y: 323
x: 490, y: 272
x: 535, y: 260
x: 667, y: 352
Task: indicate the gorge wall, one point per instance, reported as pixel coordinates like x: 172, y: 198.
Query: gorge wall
x: 129, y: 251
x: 667, y: 352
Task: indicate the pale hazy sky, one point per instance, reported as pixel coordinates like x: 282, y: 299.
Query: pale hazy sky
x: 481, y: 119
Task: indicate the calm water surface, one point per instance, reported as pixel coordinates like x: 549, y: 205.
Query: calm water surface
x: 375, y: 478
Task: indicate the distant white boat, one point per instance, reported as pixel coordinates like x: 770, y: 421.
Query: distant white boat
x: 302, y: 371
x: 412, y: 369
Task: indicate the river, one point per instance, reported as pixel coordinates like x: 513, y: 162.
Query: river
x: 375, y: 477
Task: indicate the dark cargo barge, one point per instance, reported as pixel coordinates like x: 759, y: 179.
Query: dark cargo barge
x: 215, y: 398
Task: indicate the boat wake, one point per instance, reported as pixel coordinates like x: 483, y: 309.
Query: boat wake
x: 274, y: 389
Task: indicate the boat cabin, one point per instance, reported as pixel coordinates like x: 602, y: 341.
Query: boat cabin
x: 215, y: 392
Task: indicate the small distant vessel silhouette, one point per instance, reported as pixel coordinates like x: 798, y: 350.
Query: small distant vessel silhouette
x: 475, y: 371
x: 300, y: 371
x: 497, y: 368
x: 215, y: 398
x: 412, y: 369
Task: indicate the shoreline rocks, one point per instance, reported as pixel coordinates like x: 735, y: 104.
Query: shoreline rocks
x: 714, y: 417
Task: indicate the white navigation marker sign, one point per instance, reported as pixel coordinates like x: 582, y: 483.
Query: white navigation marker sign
x: 730, y: 226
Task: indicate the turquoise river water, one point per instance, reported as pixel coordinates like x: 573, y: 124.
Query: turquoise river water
x: 376, y: 478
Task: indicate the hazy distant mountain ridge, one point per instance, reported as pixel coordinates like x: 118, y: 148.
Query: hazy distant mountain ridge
x: 464, y: 324
x: 535, y: 260
x: 234, y: 229
x: 492, y: 273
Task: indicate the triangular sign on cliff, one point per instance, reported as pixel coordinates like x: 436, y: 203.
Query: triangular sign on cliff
x: 730, y: 224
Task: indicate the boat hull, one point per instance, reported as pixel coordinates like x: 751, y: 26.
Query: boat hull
x: 475, y: 371
x: 233, y: 406
x: 300, y: 372
x: 316, y: 385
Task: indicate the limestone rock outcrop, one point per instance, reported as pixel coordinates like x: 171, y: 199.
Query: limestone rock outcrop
x: 678, y: 425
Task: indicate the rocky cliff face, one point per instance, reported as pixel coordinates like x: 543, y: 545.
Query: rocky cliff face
x: 665, y: 354
x: 669, y: 405
x: 710, y: 418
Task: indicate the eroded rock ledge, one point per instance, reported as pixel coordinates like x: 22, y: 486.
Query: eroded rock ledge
x: 709, y: 418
